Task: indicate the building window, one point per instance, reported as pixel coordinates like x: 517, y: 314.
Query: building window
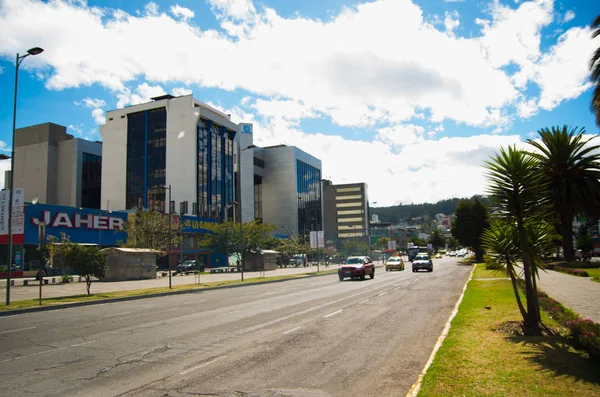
x: 350, y: 212
x: 156, y: 159
x: 346, y: 235
x: 260, y: 163
x: 91, y: 177
x: 354, y: 204
x: 348, y: 189
x: 352, y: 197
x: 308, y: 183
x: 350, y: 227
x: 346, y: 220
x: 136, y: 159
x: 258, y: 207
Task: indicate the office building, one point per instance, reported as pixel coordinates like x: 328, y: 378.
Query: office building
x: 287, y: 186
x: 346, y: 211
x: 57, y: 168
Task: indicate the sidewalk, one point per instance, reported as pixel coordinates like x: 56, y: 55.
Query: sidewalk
x: 70, y: 289
x: 579, y: 294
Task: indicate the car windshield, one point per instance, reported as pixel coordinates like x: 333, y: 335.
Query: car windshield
x: 422, y: 258
x: 354, y: 261
x: 394, y: 260
x: 189, y: 263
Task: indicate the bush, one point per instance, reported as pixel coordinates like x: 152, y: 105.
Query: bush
x: 581, y: 265
x: 574, y: 272
x: 65, y: 278
x: 586, y: 333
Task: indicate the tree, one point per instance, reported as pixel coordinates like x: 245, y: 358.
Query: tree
x: 56, y: 248
x: 437, y: 239
x: 288, y: 247
x: 585, y: 242
x: 225, y: 237
x: 501, y: 242
x: 382, y: 243
x: 87, y: 261
x: 519, y: 196
x: 452, y: 243
x: 571, y: 167
x: 151, y: 229
x: 595, y: 69
x: 471, y: 221
x: 354, y: 247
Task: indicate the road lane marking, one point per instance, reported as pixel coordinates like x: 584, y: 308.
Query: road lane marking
x: 291, y: 330
x: 382, y: 293
x: 15, y: 330
x: 47, y: 351
x: 118, y: 314
x: 192, y: 302
x: 333, y: 314
x: 202, y: 365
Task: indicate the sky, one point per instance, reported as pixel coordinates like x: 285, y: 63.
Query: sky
x: 409, y: 96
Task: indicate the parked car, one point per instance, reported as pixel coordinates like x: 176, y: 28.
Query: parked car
x: 438, y: 256
x: 190, y: 265
x: 357, y: 267
x: 422, y: 261
x: 452, y: 253
x: 394, y: 263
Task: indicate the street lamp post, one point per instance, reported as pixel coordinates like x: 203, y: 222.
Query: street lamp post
x: 168, y: 187
x: 240, y: 150
x: 19, y: 59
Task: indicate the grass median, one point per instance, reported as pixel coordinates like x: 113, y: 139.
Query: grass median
x: 32, y: 303
x: 483, y: 356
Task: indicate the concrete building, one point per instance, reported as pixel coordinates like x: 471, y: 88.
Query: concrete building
x: 287, y: 186
x: 346, y: 211
x: 57, y: 168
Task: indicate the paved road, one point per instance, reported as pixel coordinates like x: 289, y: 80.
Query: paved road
x: 311, y: 337
x: 18, y: 293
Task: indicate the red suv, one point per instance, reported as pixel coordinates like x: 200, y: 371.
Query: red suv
x: 357, y: 266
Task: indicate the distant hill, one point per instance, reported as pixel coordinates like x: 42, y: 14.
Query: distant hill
x: 417, y: 213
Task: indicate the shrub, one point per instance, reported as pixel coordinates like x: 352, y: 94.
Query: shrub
x: 574, y: 272
x: 65, y: 278
x: 585, y: 332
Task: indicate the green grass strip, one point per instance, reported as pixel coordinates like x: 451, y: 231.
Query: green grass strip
x: 479, y: 357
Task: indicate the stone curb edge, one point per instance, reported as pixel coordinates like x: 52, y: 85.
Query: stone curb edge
x: 130, y: 298
x: 414, y: 389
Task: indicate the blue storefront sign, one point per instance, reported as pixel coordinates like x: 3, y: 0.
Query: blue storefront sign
x: 81, y: 225
x: 192, y: 224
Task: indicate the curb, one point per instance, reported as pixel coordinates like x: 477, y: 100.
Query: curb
x: 131, y: 298
x: 414, y: 389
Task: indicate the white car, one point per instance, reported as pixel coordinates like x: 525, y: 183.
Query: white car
x: 438, y: 256
x: 452, y: 253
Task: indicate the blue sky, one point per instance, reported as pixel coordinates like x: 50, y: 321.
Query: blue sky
x: 408, y: 96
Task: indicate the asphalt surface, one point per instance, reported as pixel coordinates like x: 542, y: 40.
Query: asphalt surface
x: 310, y: 337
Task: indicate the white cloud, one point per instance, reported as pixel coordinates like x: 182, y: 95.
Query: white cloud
x: 568, y: 59
x: 143, y: 93
x: 4, y: 166
x: 77, y: 129
x: 179, y: 91
x: 99, y: 116
x: 237, y: 9
x: 527, y: 108
x: 182, y: 12
x: 569, y: 15
x: 151, y: 8
x: 451, y: 22
x: 93, y: 103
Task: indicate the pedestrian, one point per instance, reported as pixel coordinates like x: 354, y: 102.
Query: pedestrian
x: 238, y: 265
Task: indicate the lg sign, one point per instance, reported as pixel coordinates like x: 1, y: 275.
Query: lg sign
x: 76, y: 221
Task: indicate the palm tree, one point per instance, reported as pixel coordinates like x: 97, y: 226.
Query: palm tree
x: 500, y: 241
x: 571, y: 168
x: 518, y: 194
x: 595, y: 69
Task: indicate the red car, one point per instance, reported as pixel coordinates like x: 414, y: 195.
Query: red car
x: 357, y: 267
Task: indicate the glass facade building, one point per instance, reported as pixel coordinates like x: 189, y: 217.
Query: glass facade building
x: 215, y: 169
x: 91, y: 178
x: 309, y: 198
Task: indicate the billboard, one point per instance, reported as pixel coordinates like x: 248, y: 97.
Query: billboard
x: 313, y: 239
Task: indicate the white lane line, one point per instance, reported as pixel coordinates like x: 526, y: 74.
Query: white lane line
x: 118, y: 314
x: 291, y: 330
x: 15, y: 330
x: 382, y: 293
x: 202, y: 365
x: 333, y: 314
x: 48, y: 351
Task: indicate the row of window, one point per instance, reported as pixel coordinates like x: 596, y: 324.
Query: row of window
x: 346, y: 205
x: 260, y: 163
x: 348, y: 189
x: 349, y: 197
x: 345, y: 235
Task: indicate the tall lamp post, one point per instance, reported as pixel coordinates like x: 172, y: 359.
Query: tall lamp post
x: 168, y: 187
x: 19, y: 59
x: 240, y: 150
x: 369, y: 224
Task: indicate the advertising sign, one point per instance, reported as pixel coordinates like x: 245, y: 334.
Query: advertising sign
x: 392, y: 244
x: 313, y: 239
x: 4, y: 212
x: 82, y: 226
x: 18, y: 212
